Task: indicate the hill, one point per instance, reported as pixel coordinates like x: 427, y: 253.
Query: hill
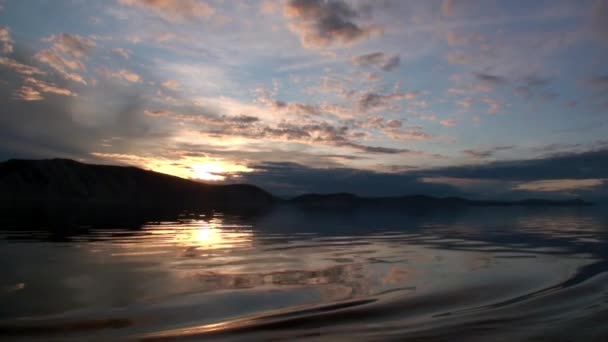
x: 60, y: 181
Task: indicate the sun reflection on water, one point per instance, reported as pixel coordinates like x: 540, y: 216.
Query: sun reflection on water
x: 212, y: 234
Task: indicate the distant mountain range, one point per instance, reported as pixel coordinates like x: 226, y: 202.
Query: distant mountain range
x: 347, y: 199
x: 25, y: 183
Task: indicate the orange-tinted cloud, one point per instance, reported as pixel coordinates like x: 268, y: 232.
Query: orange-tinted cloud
x: 20, y: 68
x: 556, y: 185
x: 171, y: 84
x: 71, y: 44
x: 174, y: 10
x: 66, y: 54
x: 6, y: 42
x: 45, y: 87
x: 120, y: 74
x: 26, y: 93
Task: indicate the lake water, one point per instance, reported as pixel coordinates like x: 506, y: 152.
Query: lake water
x: 480, y: 274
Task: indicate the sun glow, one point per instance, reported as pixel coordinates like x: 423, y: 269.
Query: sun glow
x: 209, y: 172
x: 198, y: 168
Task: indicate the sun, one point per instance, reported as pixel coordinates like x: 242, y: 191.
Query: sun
x: 209, y: 172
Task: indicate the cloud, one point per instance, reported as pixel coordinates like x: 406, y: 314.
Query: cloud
x: 6, y: 42
x: 313, y: 133
x: 493, y: 106
x: 599, y: 19
x: 459, y: 58
x: 490, y: 79
x: 122, y: 52
x: 26, y: 93
x: 600, y: 81
x: 534, y: 86
x: 371, y: 101
x: 326, y: 134
x: 71, y: 44
x: 171, y: 84
x: 20, y: 68
x: 559, y: 185
x: 394, y: 129
x: 448, y: 122
x: 33, y: 90
x: 466, y: 104
x: 442, y: 122
x: 45, y: 87
x: 290, y: 179
x: 406, y: 134
x: 268, y: 7
x: 378, y: 60
x: 53, y: 122
x: 578, y: 165
x: 321, y: 23
x: 569, y: 174
x: 61, y: 65
x: 174, y: 10
x: 66, y: 54
x: 447, y: 8
x: 297, y: 108
x: 120, y: 74
x: 486, y: 153
x: 241, y: 120
x: 536, y: 81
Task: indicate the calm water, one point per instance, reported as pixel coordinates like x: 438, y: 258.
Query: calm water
x: 486, y: 274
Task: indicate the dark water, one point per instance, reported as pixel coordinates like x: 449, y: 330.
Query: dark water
x: 485, y: 274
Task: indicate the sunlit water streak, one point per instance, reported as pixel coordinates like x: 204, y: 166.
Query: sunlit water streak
x: 483, y: 274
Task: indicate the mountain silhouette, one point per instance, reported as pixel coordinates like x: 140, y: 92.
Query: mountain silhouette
x: 44, y: 190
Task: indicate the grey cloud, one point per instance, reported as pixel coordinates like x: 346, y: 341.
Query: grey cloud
x: 207, y: 118
x: 580, y: 165
x: 500, y: 178
x: 394, y: 129
x: 290, y: 107
x: 62, y: 125
x: 302, y: 108
x: 486, y: 153
x: 321, y: 133
x: 599, y: 19
x: 536, y: 81
x: 378, y: 60
x: 535, y: 87
x: 343, y: 156
x: 376, y: 149
x: 391, y: 63
x: 321, y: 23
x: 290, y: 179
x: 374, y: 101
x: 490, y: 79
x: 406, y: 134
x: 600, y: 81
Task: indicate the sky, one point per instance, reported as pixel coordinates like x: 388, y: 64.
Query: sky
x: 488, y: 99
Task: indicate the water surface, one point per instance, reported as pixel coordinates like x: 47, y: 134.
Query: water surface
x: 499, y: 274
